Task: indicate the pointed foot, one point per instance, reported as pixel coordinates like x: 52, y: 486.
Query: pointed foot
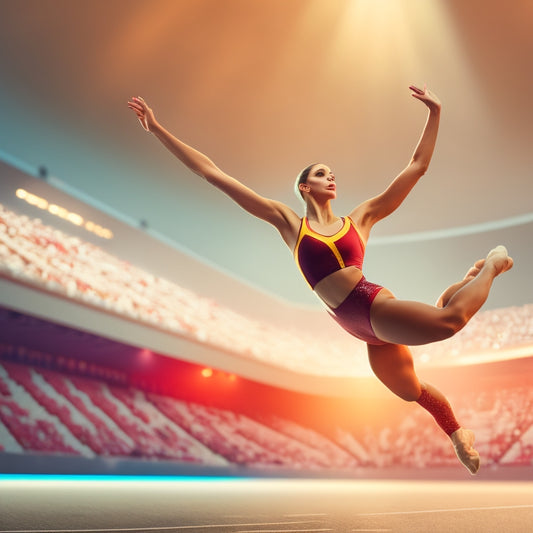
x: 499, y: 258
x: 463, y: 442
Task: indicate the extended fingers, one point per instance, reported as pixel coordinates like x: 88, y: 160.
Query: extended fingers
x: 417, y: 90
x: 140, y: 101
x: 139, y: 107
x: 136, y: 106
x: 137, y: 102
x: 140, y: 114
x: 138, y: 110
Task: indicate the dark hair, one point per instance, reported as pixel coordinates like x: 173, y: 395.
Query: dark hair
x: 302, y: 178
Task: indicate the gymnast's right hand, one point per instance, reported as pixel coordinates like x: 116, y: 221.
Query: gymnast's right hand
x: 144, y: 113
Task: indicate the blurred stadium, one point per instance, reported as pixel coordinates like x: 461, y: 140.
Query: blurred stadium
x: 119, y: 352
x: 148, y: 326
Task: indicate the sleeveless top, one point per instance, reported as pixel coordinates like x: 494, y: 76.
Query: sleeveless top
x: 318, y: 256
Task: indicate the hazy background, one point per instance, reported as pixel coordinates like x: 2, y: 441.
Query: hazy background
x: 266, y: 87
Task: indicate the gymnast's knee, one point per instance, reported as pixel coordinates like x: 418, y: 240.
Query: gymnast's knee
x: 452, y: 321
x: 410, y: 395
x: 409, y: 392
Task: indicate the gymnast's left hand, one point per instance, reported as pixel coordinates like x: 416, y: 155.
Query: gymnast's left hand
x: 426, y: 96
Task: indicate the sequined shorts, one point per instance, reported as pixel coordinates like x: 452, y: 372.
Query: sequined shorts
x: 353, y: 314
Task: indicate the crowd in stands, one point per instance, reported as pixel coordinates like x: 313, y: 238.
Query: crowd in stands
x: 47, y: 410
x: 488, y: 332
x: 42, y: 256
x: 503, y: 423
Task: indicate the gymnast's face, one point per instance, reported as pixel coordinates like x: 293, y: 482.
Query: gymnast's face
x: 320, y: 183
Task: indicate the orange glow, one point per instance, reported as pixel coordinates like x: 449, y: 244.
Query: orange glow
x: 207, y: 372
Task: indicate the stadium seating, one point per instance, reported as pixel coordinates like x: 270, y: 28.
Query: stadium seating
x: 45, y: 257
x: 48, y: 411
x: 59, y: 405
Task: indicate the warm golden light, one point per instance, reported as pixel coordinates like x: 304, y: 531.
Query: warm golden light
x: 207, y: 372
x: 75, y: 219
x: 63, y: 213
x: 31, y: 199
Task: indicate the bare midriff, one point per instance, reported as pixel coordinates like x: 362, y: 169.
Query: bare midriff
x: 334, y: 289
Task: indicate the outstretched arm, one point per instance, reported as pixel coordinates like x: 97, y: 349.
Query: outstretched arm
x: 276, y: 213
x: 373, y: 210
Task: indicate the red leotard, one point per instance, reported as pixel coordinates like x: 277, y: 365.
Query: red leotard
x: 318, y: 256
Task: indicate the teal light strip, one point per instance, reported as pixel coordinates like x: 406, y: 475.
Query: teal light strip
x: 135, y: 478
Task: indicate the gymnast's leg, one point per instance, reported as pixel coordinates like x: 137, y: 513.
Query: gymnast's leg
x: 412, y: 323
x: 393, y: 365
x: 445, y: 297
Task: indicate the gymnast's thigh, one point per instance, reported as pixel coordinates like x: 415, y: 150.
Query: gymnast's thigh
x: 408, y: 322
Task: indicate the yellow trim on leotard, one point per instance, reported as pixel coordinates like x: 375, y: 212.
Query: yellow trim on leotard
x: 358, y: 232
x: 328, y: 240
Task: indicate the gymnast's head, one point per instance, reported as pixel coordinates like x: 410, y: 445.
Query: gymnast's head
x: 316, y: 178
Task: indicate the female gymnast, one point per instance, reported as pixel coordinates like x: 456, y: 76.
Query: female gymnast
x: 329, y: 252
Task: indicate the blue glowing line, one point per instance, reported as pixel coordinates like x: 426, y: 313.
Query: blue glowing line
x: 114, y: 477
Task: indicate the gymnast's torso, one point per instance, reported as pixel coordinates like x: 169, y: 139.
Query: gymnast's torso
x: 331, y: 259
